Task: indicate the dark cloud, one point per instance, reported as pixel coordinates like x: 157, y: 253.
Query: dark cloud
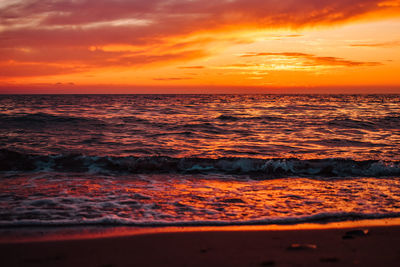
x: 99, y: 22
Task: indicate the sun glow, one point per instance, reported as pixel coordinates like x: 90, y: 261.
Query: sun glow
x: 221, y: 44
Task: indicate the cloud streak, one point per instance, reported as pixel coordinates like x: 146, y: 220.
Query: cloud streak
x: 172, y: 79
x: 383, y: 44
x: 313, y: 60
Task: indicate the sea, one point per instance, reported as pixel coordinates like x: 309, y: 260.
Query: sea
x: 197, y: 160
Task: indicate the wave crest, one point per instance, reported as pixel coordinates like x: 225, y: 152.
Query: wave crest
x: 257, y: 168
x: 113, y: 220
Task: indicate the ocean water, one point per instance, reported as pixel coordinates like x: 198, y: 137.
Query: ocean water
x: 154, y: 160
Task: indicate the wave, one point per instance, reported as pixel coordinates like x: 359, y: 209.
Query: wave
x: 231, y: 118
x: 42, y: 119
x: 257, y: 168
x: 391, y: 121
x: 387, y: 122
x: 113, y: 220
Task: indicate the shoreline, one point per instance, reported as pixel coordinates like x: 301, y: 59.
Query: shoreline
x: 64, y: 233
x: 359, y: 243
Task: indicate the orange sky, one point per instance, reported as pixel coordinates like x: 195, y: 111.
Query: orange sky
x: 197, y: 46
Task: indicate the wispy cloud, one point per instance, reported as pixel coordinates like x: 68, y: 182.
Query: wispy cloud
x: 191, y: 67
x: 19, y: 70
x: 64, y: 61
x: 299, y: 60
x: 383, y: 44
x: 172, y: 79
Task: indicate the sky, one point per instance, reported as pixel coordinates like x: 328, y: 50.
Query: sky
x: 199, y: 46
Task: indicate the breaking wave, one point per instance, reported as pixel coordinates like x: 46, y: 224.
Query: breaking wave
x: 112, y: 220
x: 261, y: 168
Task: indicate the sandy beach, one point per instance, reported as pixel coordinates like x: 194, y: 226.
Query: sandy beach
x: 243, y: 246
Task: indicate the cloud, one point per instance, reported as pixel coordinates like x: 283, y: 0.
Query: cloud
x: 172, y: 79
x: 33, y: 69
x: 384, y: 44
x: 98, y: 22
x: 57, y: 62
x: 191, y: 67
x: 390, y: 3
x: 62, y: 31
x: 308, y: 60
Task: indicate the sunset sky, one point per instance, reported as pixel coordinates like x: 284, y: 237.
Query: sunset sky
x: 198, y: 46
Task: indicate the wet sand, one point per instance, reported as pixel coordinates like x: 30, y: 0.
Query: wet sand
x: 354, y: 246
x: 360, y: 244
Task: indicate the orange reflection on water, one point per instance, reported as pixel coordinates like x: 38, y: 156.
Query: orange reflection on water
x: 192, y: 199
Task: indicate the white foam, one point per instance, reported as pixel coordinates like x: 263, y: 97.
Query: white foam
x: 116, y: 220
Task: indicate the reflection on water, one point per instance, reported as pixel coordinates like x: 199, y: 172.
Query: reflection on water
x: 263, y: 126
x: 174, y: 199
x: 198, y: 159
